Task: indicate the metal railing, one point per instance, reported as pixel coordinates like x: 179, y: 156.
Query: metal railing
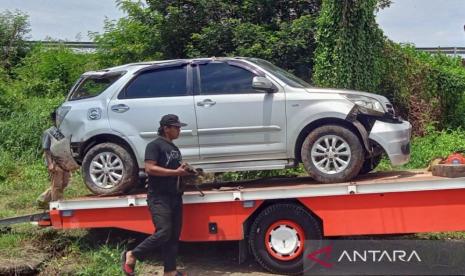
x: 70, y: 44
x: 92, y: 46
x: 445, y: 50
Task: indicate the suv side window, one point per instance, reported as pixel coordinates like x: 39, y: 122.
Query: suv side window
x: 222, y: 78
x: 166, y: 82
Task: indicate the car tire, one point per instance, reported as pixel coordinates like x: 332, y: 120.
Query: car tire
x: 332, y: 154
x: 288, y: 220
x: 370, y: 164
x: 109, y: 169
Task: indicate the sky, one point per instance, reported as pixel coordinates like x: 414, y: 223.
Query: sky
x: 425, y: 23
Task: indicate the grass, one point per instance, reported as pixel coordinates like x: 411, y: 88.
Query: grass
x: 25, y: 183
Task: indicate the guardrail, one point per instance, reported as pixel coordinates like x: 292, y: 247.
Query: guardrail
x: 444, y: 50
x: 92, y: 46
x: 70, y: 44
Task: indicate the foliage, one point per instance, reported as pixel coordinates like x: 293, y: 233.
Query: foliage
x: 20, y: 133
x: 130, y: 39
x: 280, y: 31
x: 426, y: 88
x: 435, y: 144
x: 52, y: 71
x: 353, y: 54
x: 250, y: 175
x: 14, y: 27
x: 288, y: 46
x: 349, y: 45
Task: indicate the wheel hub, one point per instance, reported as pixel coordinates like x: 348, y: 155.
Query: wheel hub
x: 331, y: 154
x: 284, y: 240
x: 106, y: 170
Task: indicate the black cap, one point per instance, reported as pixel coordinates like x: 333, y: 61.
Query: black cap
x: 171, y: 120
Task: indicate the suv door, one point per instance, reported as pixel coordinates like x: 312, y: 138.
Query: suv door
x: 138, y: 108
x: 235, y: 121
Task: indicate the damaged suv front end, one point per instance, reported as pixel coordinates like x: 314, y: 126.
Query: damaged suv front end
x: 382, y: 126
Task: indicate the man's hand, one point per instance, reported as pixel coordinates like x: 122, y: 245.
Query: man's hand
x: 181, y: 171
x: 151, y: 168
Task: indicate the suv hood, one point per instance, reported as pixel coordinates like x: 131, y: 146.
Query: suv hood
x: 383, y: 100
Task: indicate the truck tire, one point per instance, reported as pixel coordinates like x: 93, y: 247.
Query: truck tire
x: 332, y: 153
x: 271, y: 225
x: 370, y: 164
x: 109, y: 169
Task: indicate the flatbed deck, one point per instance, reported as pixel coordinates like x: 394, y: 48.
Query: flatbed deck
x: 276, y: 188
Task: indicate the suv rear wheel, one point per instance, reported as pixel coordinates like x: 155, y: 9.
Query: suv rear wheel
x: 109, y: 169
x: 332, y: 154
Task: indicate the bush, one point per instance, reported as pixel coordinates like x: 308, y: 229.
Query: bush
x: 37, y: 88
x: 427, y: 89
x: 435, y: 144
x: 52, y: 71
x: 20, y: 134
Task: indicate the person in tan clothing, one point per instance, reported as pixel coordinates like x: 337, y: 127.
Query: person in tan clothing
x: 59, y: 177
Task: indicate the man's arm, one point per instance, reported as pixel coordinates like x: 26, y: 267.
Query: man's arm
x: 151, y: 168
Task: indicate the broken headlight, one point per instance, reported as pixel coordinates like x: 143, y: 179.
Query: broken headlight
x: 366, y: 104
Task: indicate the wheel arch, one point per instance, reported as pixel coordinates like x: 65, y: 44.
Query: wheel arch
x: 250, y: 220
x: 105, y: 138
x: 358, y: 129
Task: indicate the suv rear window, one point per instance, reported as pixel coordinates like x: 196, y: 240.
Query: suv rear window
x: 91, y: 86
x: 165, y: 82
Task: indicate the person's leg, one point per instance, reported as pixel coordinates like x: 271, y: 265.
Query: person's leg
x: 57, y: 183
x: 171, y: 247
x: 161, y: 217
x: 45, y: 197
x: 66, y: 177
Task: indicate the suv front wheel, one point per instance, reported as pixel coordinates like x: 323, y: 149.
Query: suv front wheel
x: 332, y: 154
x: 109, y: 169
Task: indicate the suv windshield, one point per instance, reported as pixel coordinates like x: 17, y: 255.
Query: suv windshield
x: 93, y: 85
x: 280, y: 73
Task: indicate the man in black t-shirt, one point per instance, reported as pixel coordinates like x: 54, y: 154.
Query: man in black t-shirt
x: 163, y: 164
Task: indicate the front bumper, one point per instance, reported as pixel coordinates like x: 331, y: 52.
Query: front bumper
x: 394, y: 138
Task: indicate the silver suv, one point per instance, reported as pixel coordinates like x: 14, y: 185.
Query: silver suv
x: 242, y: 114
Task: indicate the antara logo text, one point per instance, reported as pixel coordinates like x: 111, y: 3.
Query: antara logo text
x: 322, y: 256
x: 377, y: 256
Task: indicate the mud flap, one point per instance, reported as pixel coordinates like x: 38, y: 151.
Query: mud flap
x: 243, y: 251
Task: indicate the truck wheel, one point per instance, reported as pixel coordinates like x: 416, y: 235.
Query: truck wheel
x: 109, y: 169
x: 332, y: 154
x: 277, y: 237
x: 370, y: 164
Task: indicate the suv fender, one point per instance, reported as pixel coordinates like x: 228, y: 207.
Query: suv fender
x: 102, y: 136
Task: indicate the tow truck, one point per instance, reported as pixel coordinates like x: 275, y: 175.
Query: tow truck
x: 271, y: 218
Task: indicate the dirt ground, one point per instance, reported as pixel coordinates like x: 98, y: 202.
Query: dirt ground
x: 211, y: 259
x: 218, y: 258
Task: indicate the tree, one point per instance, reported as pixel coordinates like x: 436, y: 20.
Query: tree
x: 280, y: 31
x: 350, y: 44
x: 14, y: 27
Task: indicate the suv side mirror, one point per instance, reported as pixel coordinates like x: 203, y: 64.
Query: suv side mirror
x: 264, y: 84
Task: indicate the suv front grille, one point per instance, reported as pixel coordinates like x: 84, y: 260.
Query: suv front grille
x: 390, y: 110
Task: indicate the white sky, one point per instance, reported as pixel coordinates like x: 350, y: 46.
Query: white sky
x: 426, y: 23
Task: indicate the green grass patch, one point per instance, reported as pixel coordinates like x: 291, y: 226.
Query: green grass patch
x: 25, y: 182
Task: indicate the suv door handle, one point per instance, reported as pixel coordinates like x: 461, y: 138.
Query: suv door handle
x: 206, y: 103
x: 120, y: 108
